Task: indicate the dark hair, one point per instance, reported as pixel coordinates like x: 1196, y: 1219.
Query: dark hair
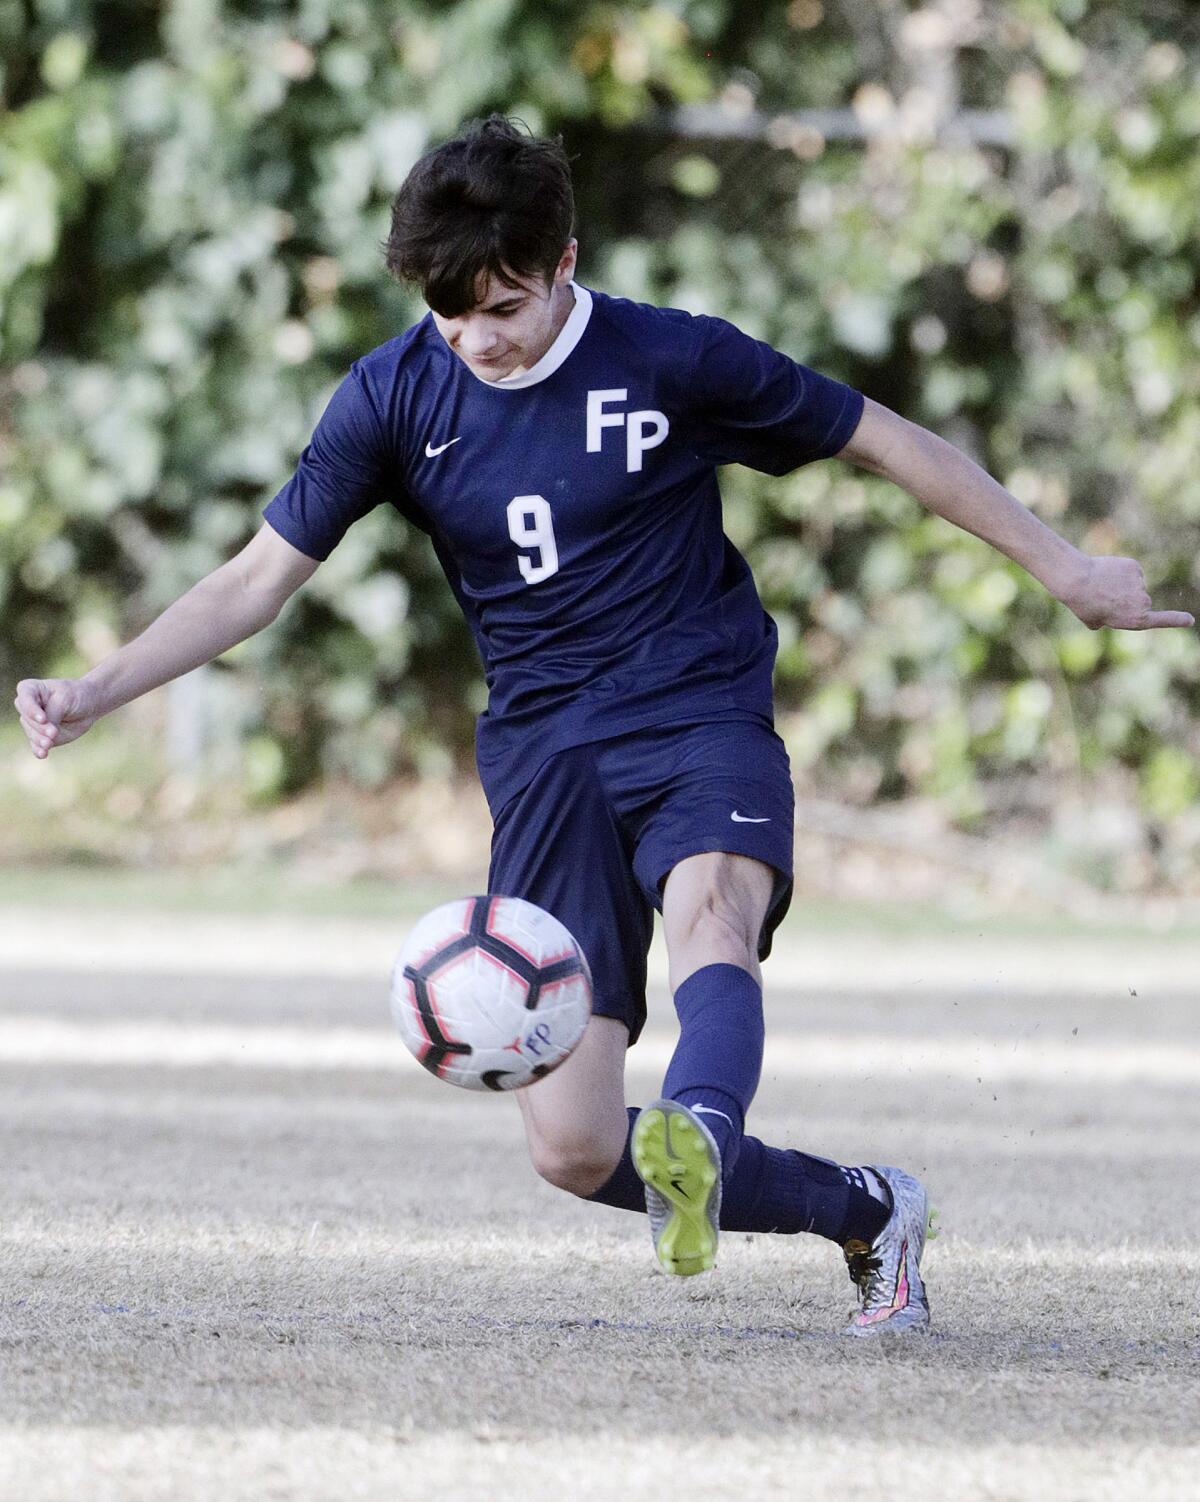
x: 494, y: 199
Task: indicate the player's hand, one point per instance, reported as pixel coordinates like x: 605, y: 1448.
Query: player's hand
x: 55, y: 711
x: 1112, y: 592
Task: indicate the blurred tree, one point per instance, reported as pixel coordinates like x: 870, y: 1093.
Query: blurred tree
x: 985, y: 215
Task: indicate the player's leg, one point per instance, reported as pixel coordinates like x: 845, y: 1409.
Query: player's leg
x: 877, y: 1215
x: 718, y: 898
x: 686, y: 1143
x: 713, y: 871
x: 575, y: 1119
x: 558, y: 844
x: 715, y: 853
x: 714, y: 906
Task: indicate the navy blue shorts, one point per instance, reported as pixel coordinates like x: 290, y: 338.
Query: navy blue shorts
x: 597, y: 830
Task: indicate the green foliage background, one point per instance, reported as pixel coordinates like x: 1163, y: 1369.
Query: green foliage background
x: 192, y: 200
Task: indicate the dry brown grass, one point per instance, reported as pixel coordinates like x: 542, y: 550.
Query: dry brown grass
x: 323, y: 1275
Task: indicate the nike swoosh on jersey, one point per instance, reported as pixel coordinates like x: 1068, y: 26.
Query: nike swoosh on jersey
x: 432, y: 453
x: 743, y: 819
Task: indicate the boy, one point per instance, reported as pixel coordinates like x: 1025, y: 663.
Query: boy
x: 560, y: 448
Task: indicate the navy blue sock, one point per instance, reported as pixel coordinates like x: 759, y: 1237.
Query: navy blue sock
x: 772, y: 1189
x: 716, y: 1064
x: 776, y: 1189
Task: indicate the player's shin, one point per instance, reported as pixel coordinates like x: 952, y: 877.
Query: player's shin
x: 718, y: 1059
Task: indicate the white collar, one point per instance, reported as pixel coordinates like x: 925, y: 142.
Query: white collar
x: 568, y: 337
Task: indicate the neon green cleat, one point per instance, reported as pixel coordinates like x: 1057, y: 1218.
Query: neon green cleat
x: 678, y: 1161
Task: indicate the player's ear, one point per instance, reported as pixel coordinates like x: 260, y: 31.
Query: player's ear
x: 565, y: 269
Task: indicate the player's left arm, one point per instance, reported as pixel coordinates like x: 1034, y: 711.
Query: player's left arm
x: 1100, y: 591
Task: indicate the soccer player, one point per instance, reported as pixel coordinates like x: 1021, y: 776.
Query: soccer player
x: 559, y: 446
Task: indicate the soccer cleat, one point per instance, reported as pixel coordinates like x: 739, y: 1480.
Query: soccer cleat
x: 891, y: 1293
x: 679, y: 1163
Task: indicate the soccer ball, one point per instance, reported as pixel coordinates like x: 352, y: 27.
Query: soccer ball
x: 490, y: 993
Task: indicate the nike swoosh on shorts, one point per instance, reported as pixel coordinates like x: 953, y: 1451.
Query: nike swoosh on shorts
x: 743, y: 819
x: 432, y: 453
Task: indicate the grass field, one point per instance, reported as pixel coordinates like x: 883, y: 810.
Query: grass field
x: 249, y: 1251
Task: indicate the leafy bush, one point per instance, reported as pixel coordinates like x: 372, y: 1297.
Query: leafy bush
x: 192, y: 200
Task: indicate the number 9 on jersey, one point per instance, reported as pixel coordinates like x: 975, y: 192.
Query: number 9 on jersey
x: 530, y: 525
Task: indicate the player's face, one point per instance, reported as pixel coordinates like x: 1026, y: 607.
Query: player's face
x: 511, y: 328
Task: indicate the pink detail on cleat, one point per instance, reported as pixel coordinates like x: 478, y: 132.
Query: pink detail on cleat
x: 899, y: 1297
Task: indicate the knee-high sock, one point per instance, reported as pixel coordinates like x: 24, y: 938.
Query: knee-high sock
x: 772, y: 1189
x: 718, y: 1059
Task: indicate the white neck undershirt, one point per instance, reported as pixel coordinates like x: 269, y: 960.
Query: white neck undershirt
x: 568, y: 337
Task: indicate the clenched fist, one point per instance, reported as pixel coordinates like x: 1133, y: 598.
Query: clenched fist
x: 1112, y: 592
x: 55, y: 711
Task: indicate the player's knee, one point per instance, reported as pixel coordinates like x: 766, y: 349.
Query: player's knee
x: 579, y: 1167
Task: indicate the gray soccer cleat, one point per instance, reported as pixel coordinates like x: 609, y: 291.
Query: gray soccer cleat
x: 891, y: 1292
x: 678, y: 1160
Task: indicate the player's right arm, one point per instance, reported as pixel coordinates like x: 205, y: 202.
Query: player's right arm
x: 224, y: 608
x: 341, y: 475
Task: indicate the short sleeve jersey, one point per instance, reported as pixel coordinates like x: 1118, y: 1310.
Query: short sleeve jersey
x: 575, y: 511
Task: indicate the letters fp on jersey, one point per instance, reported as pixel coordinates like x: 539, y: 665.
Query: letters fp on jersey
x: 643, y: 430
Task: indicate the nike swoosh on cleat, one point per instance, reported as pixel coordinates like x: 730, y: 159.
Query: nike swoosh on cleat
x: 432, y: 453
x: 742, y: 819
x: 679, y: 1189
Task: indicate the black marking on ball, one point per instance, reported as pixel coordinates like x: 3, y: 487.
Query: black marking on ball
x: 549, y: 975
x: 499, y: 948
x: 441, y: 1045
x: 492, y: 1077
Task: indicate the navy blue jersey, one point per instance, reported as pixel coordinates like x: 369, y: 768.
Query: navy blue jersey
x: 575, y: 510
